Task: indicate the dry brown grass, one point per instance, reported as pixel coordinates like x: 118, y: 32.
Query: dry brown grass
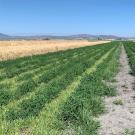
x: 14, y: 49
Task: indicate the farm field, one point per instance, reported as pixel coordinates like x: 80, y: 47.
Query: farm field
x: 60, y: 93
x: 130, y: 49
x: 14, y: 49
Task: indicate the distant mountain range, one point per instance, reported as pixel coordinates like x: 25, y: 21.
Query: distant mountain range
x: 46, y: 37
x: 4, y: 36
x: 88, y: 36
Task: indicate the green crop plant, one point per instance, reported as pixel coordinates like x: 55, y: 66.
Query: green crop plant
x: 56, y: 92
x: 130, y: 49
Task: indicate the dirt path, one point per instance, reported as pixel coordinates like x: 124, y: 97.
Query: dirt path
x: 120, y: 117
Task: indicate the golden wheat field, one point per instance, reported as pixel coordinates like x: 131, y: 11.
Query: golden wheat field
x: 14, y: 49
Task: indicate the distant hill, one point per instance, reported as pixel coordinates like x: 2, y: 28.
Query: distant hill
x: 88, y: 36
x: 47, y: 37
x: 4, y: 36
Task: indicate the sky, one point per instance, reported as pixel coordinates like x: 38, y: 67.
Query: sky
x: 67, y: 17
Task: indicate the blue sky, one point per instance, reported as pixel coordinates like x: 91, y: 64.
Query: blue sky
x: 65, y: 17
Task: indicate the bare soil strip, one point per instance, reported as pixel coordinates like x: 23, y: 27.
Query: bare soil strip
x: 120, y: 113
x: 14, y: 49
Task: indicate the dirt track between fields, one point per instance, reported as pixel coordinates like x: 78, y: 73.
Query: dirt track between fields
x: 120, y: 117
x: 14, y: 49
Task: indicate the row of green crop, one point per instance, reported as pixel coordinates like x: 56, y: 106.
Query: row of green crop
x: 86, y: 102
x: 31, y: 84
x: 25, y: 110
x: 47, y: 118
x: 32, y: 106
x: 130, y: 49
x: 29, y: 73
x: 15, y: 67
x: 11, y: 71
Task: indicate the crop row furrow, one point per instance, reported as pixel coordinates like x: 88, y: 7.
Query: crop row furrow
x: 32, y: 107
x: 86, y: 101
x: 12, y: 69
x: 32, y: 84
x: 12, y: 72
x: 50, y: 112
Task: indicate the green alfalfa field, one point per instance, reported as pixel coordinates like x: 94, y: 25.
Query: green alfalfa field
x: 59, y: 93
